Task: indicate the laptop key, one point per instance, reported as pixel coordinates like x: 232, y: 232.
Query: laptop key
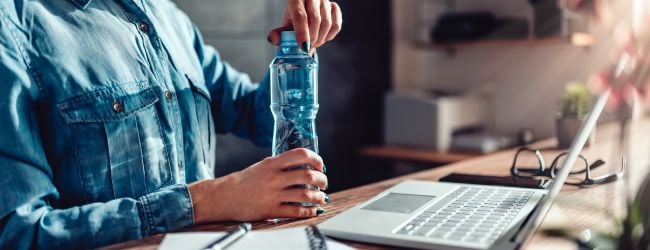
x: 439, y: 235
x: 431, y: 224
x: 455, y: 238
x: 456, y: 235
x: 438, y: 218
x: 403, y: 231
x: 449, y: 225
x: 473, y: 239
x: 423, y: 231
x: 478, y: 234
x: 493, y: 218
x: 437, y: 206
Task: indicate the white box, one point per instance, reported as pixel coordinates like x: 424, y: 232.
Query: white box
x: 419, y: 119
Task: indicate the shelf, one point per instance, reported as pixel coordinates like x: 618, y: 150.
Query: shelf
x: 419, y: 155
x: 577, y: 39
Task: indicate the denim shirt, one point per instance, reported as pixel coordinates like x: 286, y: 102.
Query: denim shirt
x: 107, y: 110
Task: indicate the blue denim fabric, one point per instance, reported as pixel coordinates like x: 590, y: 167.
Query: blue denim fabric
x: 107, y: 110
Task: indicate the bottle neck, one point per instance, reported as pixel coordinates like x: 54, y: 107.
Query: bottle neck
x: 291, y: 49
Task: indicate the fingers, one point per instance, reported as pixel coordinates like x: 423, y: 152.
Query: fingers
x: 290, y: 211
x: 305, y: 176
x: 337, y: 22
x: 305, y: 196
x: 315, y: 22
x: 325, y: 23
x: 275, y: 34
x: 300, y: 20
x: 297, y: 157
x: 314, y: 18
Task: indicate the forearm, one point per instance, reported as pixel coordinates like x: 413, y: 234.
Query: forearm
x: 205, y: 193
x: 37, y: 225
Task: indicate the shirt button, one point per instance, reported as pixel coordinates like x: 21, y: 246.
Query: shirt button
x: 144, y: 27
x: 168, y: 95
x: 117, y: 106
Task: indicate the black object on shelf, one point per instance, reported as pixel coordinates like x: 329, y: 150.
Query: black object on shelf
x: 510, y: 28
x: 475, y: 26
x: 547, y: 18
x: 463, y: 27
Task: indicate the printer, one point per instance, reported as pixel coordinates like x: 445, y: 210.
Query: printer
x: 429, y: 120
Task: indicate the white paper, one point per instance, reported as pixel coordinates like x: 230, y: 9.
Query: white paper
x: 291, y: 238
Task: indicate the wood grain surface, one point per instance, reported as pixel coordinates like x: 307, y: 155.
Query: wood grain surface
x: 418, y: 155
x: 577, y: 208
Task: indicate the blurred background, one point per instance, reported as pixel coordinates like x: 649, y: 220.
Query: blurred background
x: 412, y: 84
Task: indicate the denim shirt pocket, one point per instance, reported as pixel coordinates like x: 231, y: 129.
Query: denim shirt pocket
x: 202, y: 102
x: 119, y: 147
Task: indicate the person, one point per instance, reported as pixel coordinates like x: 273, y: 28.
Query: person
x: 109, y: 115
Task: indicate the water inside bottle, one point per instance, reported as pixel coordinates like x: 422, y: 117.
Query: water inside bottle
x: 294, y: 100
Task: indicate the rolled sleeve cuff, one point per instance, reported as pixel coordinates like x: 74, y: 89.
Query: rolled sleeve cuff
x: 165, y: 210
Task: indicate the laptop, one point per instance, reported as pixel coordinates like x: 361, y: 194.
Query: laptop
x: 437, y: 215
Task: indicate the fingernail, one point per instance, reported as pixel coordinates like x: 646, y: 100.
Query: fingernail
x: 327, y: 199
x: 305, y: 46
x: 320, y: 211
x: 324, y: 169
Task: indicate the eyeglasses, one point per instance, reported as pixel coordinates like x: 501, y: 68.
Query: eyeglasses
x: 581, y: 167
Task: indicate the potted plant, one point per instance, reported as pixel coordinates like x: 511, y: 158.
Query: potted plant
x: 574, y: 108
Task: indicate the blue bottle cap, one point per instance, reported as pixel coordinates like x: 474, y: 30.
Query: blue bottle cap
x: 288, y: 38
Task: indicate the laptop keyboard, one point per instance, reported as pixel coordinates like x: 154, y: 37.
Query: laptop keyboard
x: 469, y: 214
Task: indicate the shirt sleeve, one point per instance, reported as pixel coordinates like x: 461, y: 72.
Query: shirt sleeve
x: 27, y: 218
x: 239, y: 106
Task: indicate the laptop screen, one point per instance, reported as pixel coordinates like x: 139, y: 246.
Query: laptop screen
x: 537, y: 216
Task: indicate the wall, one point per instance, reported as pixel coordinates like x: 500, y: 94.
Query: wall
x: 525, y: 81
x: 354, y: 75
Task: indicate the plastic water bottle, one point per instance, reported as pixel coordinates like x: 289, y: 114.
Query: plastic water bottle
x: 294, y: 97
x: 294, y: 101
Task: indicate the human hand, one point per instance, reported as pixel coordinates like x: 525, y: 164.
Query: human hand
x: 314, y: 21
x: 262, y: 190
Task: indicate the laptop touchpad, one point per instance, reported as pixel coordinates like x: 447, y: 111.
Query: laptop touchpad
x: 399, y: 203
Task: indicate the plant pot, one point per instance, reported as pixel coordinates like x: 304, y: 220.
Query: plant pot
x: 566, y: 129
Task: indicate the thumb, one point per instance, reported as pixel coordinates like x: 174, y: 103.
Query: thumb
x: 274, y: 35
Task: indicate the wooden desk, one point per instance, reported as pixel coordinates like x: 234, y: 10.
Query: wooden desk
x: 419, y: 155
x: 575, y: 208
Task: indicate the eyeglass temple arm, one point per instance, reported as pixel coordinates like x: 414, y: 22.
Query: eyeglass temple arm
x: 594, y: 165
x: 598, y: 163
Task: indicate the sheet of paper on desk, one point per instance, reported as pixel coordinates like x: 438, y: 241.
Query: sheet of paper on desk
x: 291, y: 238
